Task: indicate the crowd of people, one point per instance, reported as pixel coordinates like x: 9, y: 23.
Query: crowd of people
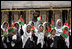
x: 36, y: 34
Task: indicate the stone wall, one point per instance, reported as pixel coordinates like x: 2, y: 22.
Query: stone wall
x: 28, y: 16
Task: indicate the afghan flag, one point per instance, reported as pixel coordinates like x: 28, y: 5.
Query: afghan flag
x: 65, y: 34
x: 11, y: 29
x: 49, y: 29
x: 39, y: 18
x: 33, y: 28
x: 47, y: 32
x: 5, y: 33
x: 21, y: 21
x: 52, y: 24
x: 66, y: 24
x: 12, y: 24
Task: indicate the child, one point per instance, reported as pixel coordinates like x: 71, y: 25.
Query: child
x: 14, y: 38
x: 51, y: 38
x: 27, y: 37
x: 40, y: 35
x: 58, y: 27
x: 4, y: 27
x: 3, y: 44
x: 17, y: 26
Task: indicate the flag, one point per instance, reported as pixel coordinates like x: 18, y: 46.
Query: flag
x: 5, y: 33
x: 39, y: 18
x: 12, y: 24
x: 49, y: 29
x: 33, y: 28
x: 21, y: 21
x: 45, y: 31
x: 65, y: 34
x: 8, y: 27
x: 52, y: 24
x: 66, y: 24
x: 11, y: 29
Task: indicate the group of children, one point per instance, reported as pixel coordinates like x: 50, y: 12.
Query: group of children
x: 35, y: 34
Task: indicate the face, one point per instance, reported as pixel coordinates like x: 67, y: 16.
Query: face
x: 32, y: 24
x: 59, y: 23
x: 6, y: 25
x: 28, y: 29
x: 17, y: 26
x: 53, y: 32
x: 41, y: 28
x: 35, y: 15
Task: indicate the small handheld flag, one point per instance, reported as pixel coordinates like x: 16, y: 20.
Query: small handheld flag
x: 66, y: 24
x: 11, y: 29
x: 65, y: 34
x: 12, y: 24
x: 49, y: 29
x: 33, y: 28
x: 52, y: 24
x: 39, y: 18
x: 21, y: 21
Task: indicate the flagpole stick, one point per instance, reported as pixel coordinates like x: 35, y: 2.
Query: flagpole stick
x: 29, y: 15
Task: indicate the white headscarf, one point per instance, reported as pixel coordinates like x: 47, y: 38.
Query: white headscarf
x: 26, y: 35
x: 58, y: 28
x: 44, y: 23
x: 3, y: 25
x: 19, y: 27
x: 40, y: 36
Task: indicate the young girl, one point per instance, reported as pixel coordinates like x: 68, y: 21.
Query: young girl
x: 40, y: 35
x: 14, y: 38
x: 58, y: 27
x: 4, y: 27
x: 27, y: 37
x: 51, y: 37
x: 18, y: 27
